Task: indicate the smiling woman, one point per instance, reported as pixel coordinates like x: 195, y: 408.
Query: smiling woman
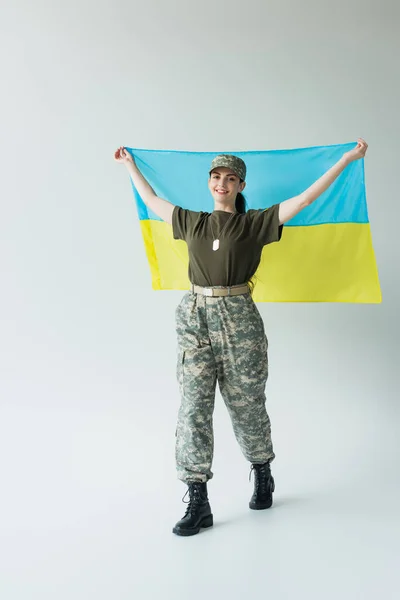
x: 227, y: 184
x: 220, y: 331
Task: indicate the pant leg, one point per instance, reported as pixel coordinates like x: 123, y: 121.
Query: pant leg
x: 196, y: 373
x: 241, y: 352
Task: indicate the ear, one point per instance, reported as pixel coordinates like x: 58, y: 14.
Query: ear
x: 242, y: 186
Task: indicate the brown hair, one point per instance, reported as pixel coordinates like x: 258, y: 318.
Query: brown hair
x: 240, y: 202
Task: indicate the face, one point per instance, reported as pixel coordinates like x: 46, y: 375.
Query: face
x: 224, y: 186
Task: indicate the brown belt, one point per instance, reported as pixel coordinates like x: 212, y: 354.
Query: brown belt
x: 234, y: 290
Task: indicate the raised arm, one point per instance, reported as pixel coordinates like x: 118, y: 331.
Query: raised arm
x: 160, y: 207
x: 290, y: 208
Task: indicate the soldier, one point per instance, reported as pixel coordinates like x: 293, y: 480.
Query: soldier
x: 220, y: 331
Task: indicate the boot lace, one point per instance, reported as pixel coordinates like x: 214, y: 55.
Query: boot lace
x: 194, y: 498
x: 261, y: 477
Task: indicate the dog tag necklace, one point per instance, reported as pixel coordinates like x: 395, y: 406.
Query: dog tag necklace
x: 215, y: 245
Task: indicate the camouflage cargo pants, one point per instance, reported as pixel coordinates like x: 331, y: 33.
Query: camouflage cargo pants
x: 220, y: 339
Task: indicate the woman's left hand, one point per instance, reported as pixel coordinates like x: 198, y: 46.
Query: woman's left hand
x: 357, y: 152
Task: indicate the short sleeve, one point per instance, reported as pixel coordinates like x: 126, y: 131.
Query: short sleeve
x: 264, y: 225
x: 183, y: 221
x: 179, y: 223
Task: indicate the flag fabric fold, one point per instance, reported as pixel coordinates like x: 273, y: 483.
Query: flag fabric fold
x: 326, y: 252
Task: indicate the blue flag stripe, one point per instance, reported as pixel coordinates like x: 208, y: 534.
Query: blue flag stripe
x: 272, y: 176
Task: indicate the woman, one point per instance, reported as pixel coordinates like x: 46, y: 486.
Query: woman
x: 220, y: 331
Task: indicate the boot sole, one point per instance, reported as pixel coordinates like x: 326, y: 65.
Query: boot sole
x: 205, y: 523
x: 260, y: 507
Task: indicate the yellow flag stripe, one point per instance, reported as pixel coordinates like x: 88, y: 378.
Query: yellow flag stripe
x: 318, y: 263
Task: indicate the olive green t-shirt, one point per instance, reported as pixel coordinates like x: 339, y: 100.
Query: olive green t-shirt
x: 240, y: 245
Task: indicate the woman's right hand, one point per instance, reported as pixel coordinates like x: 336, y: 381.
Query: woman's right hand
x: 123, y: 156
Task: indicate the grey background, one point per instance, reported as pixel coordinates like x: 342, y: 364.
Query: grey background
x: 88, y: 393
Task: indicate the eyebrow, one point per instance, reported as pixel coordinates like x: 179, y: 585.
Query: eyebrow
x: 228, y: 174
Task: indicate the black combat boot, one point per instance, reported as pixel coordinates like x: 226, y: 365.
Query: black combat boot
x: 198, y: 513
x: 264, y: 485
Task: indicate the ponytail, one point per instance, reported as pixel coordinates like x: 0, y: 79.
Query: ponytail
x: 240, y: 203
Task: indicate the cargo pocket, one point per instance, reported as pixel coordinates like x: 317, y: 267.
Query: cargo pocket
x: 179, y: 376
x: 264, y: 358
x: 180, y: 367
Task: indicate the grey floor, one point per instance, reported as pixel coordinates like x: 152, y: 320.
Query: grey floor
x: 80, y: 520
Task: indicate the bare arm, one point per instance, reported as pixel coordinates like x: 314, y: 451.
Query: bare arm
x: 160, y: 207
x: 291, y: 207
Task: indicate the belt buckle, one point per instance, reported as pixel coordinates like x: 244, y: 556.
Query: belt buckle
x: 208, y: 292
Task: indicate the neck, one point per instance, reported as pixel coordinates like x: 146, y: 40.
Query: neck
x: 228, y: 209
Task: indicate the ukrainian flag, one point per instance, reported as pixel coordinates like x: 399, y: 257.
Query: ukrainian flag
x: 326, y: 252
